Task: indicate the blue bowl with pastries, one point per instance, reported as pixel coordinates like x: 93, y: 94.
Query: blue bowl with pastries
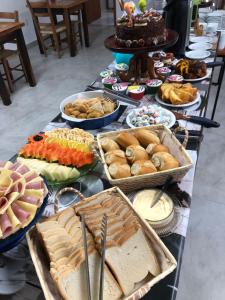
x: 89, y: 110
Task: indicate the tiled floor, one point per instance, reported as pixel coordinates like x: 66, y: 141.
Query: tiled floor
x: 202, y: 274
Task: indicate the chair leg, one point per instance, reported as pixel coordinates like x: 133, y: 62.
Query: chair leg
x: 8, y: 74
x: 23, y: 68
x: 80, y: 33
x: 57, y: 46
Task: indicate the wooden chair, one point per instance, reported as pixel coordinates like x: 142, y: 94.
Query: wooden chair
x: 6, y: 54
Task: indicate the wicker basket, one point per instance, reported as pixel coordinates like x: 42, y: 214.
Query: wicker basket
x: 154, y: 179
x: 165, y: 258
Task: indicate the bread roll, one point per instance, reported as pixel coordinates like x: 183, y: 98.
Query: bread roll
x: 108, y: 144
x: 136, y: 152
x: 141, y: 167
x: 164, y: 161
x: 126, y: 139
x: 117, y: 170
x: 146, y: 137
x: 115, y: 156
x: 154, y: 148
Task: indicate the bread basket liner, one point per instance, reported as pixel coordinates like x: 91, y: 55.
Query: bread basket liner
x: 154, y: 179
x: 40, y: 261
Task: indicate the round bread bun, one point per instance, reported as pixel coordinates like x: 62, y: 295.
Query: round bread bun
x: 154, y: 148
x: 117, y: 170
x: 146, y: 137
x: 115, y: 156
x: 109, y: 144
x: 141, y: 167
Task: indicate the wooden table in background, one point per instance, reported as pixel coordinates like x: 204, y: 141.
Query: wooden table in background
x: 67, y: 7
x: 8, y: 32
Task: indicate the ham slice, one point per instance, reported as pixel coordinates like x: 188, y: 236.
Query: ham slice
x: 15, y: 166
x: 22, y: 169
x: 20, y: 213
x: 30, y: 199
x: 18, y: 187
x: 35, y: 185
x: 3, y: 201
x: 5, y: 224
x: 30, y: 176
x: 15, y: 176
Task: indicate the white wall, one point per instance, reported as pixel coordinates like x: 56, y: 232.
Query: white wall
x: 24, y: 15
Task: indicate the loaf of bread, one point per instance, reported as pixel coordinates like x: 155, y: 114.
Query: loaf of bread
x: 154, y: 148
x: 129, y: 255
x: 118, y: 170
x: 136, y: 152
x: 164, y: 161
x: 115, y: 156
x: 108, y: 144
x: 141, y: 167
x: 62, y: 238
x: 126, y: 139
x: 146, y: 137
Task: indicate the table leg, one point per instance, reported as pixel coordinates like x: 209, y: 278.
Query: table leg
x: 71, y: 42
x: 25, y: 57
x: 220, y: 80
x: 4, y: 93
x: 85, y: 25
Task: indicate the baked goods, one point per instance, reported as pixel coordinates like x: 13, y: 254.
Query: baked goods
x: 109, y: 144
x: 177, y: 94
x: 89, y: 108
x: 118, y: 170
x: 115, y: 156
x: 154, y: 148
x: 62, y: 238
x: 191, y: 69
x: 126, y: 139
x: 143, y: 29
x: 146, y: 137
x: 164, y: 161
x: 141, y: 167
x: 136, y: 152
x: 125, y: 241
x: 22, y: 192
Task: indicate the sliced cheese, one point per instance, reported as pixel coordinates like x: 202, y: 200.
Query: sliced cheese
x: 29, y: 208
x: 15, y: 222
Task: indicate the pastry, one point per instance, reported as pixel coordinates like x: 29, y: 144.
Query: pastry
x: 146, y: 137
x: 141, y: 167
x: 115, y: 156
x: 126, y: 139
x: 191, y: 69
x: 136, y: 152
x: 164, y: 161
x: 118, y: 170
x: 154, y: 148
x: 108, y: 144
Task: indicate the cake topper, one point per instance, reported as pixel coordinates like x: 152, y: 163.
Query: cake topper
x: 129, y: 8
x: 142, y: 4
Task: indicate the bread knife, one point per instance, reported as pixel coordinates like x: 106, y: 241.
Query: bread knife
x: 197, y: 120
x: 162, y: 191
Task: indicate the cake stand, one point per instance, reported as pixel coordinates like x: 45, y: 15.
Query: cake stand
x: 141, y: 65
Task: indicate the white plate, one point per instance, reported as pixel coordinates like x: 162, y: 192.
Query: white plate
x: 200, y: 39
x: 199, y: 79
x: 159, y: 100
x: 197, y: 54
x: 164, y: 111
x: 200, y: 46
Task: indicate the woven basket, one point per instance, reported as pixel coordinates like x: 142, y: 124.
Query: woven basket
x: 154, y: 179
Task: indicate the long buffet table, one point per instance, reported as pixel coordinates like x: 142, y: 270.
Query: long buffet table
x: 174, y: 238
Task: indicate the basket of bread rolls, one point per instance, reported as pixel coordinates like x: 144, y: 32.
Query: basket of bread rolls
x: 142, y: 157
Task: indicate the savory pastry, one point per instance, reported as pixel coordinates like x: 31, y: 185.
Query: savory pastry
x: 118, y: 170
x: 108, y: 144
x: 146, y: 137
x: 136, y: 152
x: 154, y: 148
x: 126, y: 139
x: 164, y: 161
x: 115, y: 156
x: 141, y: 167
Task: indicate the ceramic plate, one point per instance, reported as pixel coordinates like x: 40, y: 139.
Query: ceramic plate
x: 197, y: 54
x: 159, y: 100
x: 199, y: 79
x: 200, y: 46
x: 200, y: 39
x: 163, y: 113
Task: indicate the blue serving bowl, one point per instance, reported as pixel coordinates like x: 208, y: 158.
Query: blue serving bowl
x: 88, y: 124
x: 14, y: 239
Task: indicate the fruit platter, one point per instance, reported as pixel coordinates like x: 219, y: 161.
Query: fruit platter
x: 61, y: 155
x: 23, y: 197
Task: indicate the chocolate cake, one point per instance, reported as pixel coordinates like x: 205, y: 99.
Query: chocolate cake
x: 146, y: 29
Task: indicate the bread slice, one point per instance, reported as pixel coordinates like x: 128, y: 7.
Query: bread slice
x: 72, y: 284
x: 134, y: 257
